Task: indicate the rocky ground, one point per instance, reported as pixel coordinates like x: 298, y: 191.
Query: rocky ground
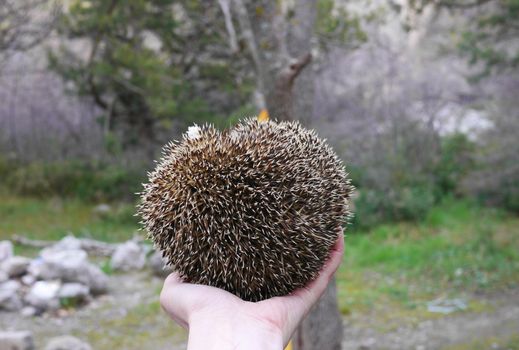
x: 496, y: 326
x: 123, y: 311
x: 129, y: 317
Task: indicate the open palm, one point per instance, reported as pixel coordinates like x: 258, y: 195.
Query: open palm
x: 217, y: 319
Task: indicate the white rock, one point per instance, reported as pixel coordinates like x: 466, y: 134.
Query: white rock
x: 64, y: 259
x: 28, y: 279
x: 446, y: 306
x: 67, y: 342
x: 73, y: 291
x: 12, y: 285
x: 102, y: 209
x: 67, y: 243
x: 3, y: 276
x: 11, y: 302
x: 44, y: 295
x: 9, y: 297
x: 158, y: 267
x: 94, y: 278
x: 368, y: 344
x: 6, y: 250
x: 16, y: 341
x: 69, y: 266
x: 29, y: 311
x: 15, y: 266
x: 128, y: 256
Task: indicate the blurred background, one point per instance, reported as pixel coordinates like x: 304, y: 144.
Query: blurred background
x: 420, y: 98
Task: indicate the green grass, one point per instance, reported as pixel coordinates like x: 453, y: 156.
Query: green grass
x: 51, y: 219
x: 144, y: 326
x: 498, y: 343
x: 459, y: 249
x: 391, y: 270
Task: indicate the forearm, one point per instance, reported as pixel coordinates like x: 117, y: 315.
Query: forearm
x: 235, y: 335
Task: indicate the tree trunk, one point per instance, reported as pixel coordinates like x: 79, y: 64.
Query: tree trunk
x: 290, y: 97
x: 322, y: 328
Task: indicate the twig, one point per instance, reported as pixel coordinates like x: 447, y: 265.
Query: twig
x: 91, y: 246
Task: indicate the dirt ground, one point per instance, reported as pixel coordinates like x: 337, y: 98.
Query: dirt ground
x: 486, y: 329
x: 129, y: 317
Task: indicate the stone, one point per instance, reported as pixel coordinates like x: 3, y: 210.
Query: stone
x: 29, y: 311
x: 9, y: 298
x: 3, y: 276
x: 58, y: 264
x: 128, y: 256
x: 15, y: 266
x: 44, y: 295
x: 28, y: 280
x: 94, y: 278
x: 157, y: 265
x: 67, y: 342
x: 102, y: 209
x: 446, y: 306
x: 75, y: 291
x: 19, y: 340
x: 63, y: 260
x: 69, y: 266
x: 10, y: 302
x: 67, y: 243
x: 10, y: 285
x: 6, y: 250
x: 368, y: 344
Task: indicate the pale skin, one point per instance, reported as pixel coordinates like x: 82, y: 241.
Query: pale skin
x: 218, y: 320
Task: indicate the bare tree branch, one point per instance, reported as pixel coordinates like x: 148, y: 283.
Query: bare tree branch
x: 248, y: 35
x: 91, y: 246
x: 25, y: 24
x: 226, y: 9
x: 461, y: 5
x: 280, y: 100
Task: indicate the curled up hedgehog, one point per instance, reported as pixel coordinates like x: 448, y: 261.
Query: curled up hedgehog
x: 253, y: 209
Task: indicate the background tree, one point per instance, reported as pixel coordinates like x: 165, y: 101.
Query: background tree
x: 147, y: 61
x: 485, y: 30
x: 22, y: 26
x: 280, y: 38
x: 143, y: 66
x: 486, y: 33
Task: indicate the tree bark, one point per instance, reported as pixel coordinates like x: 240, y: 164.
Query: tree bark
x: 322, y: 328
x: 290, y: 96
x: 280, y: 101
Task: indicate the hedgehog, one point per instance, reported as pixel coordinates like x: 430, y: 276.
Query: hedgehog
x: 254, y: 209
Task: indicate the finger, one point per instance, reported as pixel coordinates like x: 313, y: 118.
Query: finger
x: 299, y: 302
x: 175, y: 300
x: 182, y: 300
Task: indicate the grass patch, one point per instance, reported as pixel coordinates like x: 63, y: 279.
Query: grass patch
x: 52, y: 219
x: 458, y: 249
x: 501, y: 343
x: 391, y: 271
x: 144, y: 326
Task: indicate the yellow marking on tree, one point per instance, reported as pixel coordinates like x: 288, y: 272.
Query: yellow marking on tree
x: 263, y: 116
x: 289, y: 346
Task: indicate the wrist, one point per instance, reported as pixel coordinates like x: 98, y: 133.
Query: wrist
x: 207, y: 332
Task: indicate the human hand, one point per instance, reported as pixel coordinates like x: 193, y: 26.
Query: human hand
x: 217, y: 319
